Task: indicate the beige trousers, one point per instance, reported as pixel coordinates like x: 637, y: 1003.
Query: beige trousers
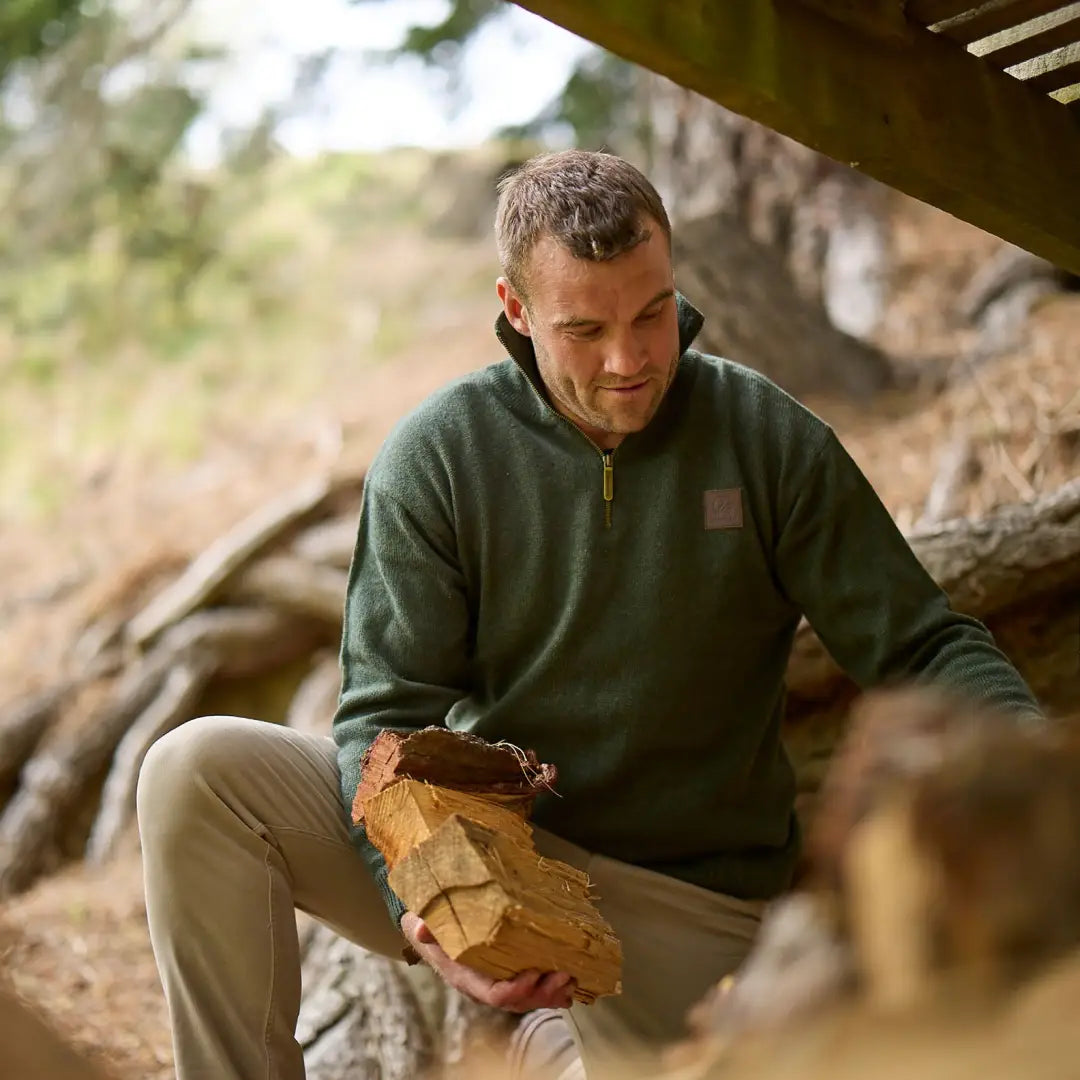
x: 242, y: 821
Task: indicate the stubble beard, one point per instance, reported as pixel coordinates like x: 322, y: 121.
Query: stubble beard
x: 615, y: 425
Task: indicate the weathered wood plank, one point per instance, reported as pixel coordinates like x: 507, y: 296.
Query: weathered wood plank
x: 1009, y: 52
x: 994, y: 20
x: 1055, y: 78
x: 918, y: 113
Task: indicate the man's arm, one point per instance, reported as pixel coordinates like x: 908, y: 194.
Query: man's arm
x: 404, y: 651
x: 404, y: 660
x: 843, y: 561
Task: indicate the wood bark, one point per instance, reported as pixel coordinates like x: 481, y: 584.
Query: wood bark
x: 223, y: 557
x: 783, y: 250
x: 366, y: 1016
x: 452, y: 760
x: 173, y: 705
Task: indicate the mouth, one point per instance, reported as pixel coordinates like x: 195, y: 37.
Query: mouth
x: 628, y: 390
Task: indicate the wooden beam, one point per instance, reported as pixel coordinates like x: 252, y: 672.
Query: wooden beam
x: 918, y: 114
x: 929, y: 12
x: 994, y: 20
x: 1016, y: 51
x: 881, y: 18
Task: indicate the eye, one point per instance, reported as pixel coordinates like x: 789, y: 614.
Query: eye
x: 649, y: 316
x: 589, y: 333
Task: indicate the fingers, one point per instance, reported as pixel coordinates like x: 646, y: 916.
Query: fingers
x: 529, y: 990
x: 423, y: 934
x: 556, y: 990
x: 533, y: 990
x: 512, y: 994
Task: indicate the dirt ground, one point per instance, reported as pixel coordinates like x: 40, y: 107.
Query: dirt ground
x: 77, y: 945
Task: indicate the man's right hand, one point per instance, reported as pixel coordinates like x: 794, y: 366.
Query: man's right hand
x: 523, y: 993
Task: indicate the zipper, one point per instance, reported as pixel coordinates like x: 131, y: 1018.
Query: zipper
x: 609, y: 484
x: 607, y: 456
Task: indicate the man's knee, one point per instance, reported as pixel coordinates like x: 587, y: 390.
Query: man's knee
x: 185, y: 767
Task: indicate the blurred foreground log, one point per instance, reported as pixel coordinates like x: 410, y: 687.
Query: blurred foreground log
x: 938, y: 933
x: 31, y: 1050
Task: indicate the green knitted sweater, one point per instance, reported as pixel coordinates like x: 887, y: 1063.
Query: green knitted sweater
x: 629, y: 616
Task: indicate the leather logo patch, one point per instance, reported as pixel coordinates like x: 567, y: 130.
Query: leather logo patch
x: 723, y: 508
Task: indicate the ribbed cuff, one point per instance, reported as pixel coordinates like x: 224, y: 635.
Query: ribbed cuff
x: 394, y: 906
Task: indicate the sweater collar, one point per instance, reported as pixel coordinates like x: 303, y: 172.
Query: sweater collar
x: 520, y: 346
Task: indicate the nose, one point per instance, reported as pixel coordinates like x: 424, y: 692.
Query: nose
x: 626, y: 357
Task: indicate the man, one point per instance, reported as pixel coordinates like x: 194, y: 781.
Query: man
x: 599, y: 549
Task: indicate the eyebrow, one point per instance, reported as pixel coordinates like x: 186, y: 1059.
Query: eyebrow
x: 575, y: 322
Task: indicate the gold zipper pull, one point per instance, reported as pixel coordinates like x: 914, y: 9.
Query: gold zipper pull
x: 609, y: 485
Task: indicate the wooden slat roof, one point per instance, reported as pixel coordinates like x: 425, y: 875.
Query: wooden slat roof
x: 1035, y: 41
x: 971, y: 106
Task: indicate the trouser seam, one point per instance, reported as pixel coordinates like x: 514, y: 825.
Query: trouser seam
x: 273, y: 959
x: 332, y: 840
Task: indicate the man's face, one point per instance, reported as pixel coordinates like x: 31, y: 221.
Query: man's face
x: 606, y: 334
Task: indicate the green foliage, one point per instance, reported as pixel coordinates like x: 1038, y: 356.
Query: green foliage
x: 442, y: 44
x: 30, y: 28
x: 597, y: 105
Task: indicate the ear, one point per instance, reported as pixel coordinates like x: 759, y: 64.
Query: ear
x: 513, y: 306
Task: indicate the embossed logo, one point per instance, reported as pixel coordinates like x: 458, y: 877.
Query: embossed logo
x: 723, y: 508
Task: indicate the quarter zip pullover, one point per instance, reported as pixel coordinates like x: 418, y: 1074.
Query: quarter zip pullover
x: 639, y: 644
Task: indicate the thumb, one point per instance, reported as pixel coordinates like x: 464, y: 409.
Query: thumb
x: 423, y: 934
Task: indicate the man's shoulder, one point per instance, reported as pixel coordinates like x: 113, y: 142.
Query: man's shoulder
x: 478, y: 391
x: 440, y: 428
x: 742, y: 393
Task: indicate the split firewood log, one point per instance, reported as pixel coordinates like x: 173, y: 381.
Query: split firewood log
x: 498, y: 906
x: 448, y: 813
x: 948, y: 832
x: 409, y: 812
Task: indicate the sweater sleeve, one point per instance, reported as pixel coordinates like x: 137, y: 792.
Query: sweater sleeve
x: 404, y: 642
x: 844, y: 562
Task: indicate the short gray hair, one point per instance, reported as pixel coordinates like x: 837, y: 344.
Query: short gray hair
x: 596, y: 205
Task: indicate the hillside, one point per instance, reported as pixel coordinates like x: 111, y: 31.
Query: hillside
x: 343, y: 291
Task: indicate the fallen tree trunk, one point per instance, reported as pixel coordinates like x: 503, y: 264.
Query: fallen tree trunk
x: 365, y: 1017
x: 1018, y: 570
x: 73, y: 758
